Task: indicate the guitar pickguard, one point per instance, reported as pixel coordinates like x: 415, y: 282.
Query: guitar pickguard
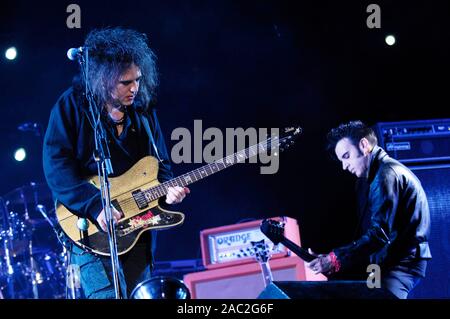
x: 129, y: 230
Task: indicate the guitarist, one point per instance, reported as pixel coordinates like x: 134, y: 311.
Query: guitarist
x: 123, y: 78
x: 394, y: 222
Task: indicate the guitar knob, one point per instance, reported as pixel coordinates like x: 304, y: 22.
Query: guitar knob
x: 82, y: 224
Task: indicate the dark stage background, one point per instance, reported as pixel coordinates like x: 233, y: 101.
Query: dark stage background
x: 242, y: 64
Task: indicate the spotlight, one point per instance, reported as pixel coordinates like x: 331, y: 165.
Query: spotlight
x: 20, y: 154
x: 390, y: 40
x: 11, y: 53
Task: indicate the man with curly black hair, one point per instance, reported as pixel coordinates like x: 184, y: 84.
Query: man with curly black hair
x: 122, y: 77
x: 394, y: 221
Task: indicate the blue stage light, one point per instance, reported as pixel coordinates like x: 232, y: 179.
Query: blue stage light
x: 390, y: 40
x: 20, y: 154
x: 11, y: 53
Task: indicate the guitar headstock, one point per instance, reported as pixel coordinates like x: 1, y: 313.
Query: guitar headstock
x: 292, y: 131
x: 286, y: 138
x: 273, y: 229
x: 261, y: 250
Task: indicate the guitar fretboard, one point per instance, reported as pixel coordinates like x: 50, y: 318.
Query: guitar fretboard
x: 160, y: 190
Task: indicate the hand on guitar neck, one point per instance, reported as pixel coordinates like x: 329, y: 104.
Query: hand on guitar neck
x: 326, y: 264
x: 176, y: 194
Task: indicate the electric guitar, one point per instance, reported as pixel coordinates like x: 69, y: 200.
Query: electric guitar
x: 136, y: 192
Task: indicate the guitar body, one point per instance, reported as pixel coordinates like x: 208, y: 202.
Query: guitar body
x: 126, y: 196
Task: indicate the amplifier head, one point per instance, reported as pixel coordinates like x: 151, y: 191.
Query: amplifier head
x: 231, y: 245
x: 416, y: 142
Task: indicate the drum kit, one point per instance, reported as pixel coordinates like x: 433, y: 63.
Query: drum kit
x: 32, y: 261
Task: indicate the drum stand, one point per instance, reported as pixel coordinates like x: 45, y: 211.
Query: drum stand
x: 7, y: 246
x: 33, y: 271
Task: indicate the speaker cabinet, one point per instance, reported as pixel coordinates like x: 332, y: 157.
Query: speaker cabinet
x: 424, y: 146
x: 436, y: 182
x: 245, y: 281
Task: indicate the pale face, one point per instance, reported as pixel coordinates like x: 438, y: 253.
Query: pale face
x: 355, y: 159
x: 128, y: 86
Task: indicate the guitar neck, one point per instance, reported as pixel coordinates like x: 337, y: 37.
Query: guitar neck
x: 160, y: 190
x: 266, y: 272
x: 299, y: 251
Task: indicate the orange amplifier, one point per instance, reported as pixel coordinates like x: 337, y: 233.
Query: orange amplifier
x: 231, y: 245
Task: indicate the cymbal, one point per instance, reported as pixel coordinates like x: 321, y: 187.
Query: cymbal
x: 34, y: 193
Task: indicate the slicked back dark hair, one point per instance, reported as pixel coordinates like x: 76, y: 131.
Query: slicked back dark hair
x: 111, y: 52
x: 354, y: 131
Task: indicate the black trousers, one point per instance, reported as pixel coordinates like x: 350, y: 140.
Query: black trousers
x: 400, y: 280
x: 138, y: 263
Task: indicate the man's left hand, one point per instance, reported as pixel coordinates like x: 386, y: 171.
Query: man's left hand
x: 176, y: 194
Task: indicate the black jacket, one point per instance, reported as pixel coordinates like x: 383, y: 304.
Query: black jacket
x: 69, y: 145
x: 395, y: 208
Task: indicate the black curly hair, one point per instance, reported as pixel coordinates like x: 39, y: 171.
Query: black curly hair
x: 353, y: 130
x: 111, y: 52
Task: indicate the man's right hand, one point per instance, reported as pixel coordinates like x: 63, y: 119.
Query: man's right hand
x: 101, y: 219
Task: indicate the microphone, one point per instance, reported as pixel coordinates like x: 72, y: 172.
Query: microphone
x: 74, y: 53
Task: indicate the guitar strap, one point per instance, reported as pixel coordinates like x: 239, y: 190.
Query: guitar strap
x: 146, y: 125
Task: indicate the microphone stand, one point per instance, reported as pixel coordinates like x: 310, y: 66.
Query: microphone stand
x: 103, y: 159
